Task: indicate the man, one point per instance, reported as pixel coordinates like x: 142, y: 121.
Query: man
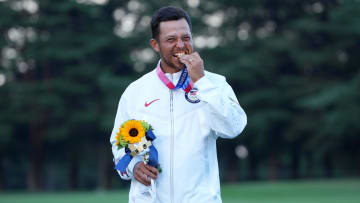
x: 187, y: 118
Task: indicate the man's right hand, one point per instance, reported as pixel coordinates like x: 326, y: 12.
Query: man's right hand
x: 143, y: 173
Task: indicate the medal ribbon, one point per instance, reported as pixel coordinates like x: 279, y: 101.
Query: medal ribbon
x: 184, y: 82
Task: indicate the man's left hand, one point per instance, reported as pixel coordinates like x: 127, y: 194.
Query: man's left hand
x: 194, y: 64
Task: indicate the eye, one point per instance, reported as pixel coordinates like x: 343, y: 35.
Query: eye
x: 186, y: 38
x: 171, y: 39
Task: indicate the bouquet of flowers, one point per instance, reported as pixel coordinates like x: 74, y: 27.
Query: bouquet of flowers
x: 136, y: 137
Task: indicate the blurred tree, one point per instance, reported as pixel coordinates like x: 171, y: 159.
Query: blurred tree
x: 61, y: 50
x: 64, y: 65
x: 287, y: 52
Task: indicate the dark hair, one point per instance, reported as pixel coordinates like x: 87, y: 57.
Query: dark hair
x: 166, y: 14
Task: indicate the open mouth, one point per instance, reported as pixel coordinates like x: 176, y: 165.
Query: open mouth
x: 181, y: 53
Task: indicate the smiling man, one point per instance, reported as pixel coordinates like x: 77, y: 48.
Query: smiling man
x: 188, y: 108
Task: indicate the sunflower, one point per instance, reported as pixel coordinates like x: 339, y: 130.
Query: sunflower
x: 132, y: 131
x: 117, y: 139
x: 120, y: 142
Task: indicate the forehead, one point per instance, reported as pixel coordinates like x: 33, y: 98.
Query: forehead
x: 174, y: 27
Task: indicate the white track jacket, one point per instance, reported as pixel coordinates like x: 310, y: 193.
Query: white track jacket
x: 186, y: 131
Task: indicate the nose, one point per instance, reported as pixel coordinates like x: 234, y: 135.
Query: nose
x: 180, y: 43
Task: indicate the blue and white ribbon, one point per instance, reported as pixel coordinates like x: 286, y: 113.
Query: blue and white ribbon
x: 153, y: 155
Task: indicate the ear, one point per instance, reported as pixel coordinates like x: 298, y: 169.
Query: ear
x: 155, y: 45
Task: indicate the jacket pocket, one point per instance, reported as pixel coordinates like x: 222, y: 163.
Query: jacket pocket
x: 141, y: 194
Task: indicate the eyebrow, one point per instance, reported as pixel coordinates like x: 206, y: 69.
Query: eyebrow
x: 170, y: 36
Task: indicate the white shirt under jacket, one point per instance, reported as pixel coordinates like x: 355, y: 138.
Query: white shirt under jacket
x: 186, y: 135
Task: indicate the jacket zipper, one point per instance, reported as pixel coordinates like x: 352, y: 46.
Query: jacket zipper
x: 172, y: 145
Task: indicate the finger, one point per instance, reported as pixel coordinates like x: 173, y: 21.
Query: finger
x: 153, y: 170
x: 185, y: 60
x: 139, y: 178
x: 140, y: 175
x: 146, y: 179
x: 148, y: 172
x: 196, y: 57
x: 195, y: 54
x: 197, y: 60
x: 142, y: 178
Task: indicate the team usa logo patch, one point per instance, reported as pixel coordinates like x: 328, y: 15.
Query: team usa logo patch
x: 192, y: 96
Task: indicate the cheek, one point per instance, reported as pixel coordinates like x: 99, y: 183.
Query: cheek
x: 189, y: 47
x: 166, y: 50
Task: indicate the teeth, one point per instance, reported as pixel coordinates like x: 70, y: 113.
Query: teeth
x: 179, y: 54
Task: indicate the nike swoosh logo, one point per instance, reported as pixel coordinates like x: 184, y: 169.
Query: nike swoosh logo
x: 147, y: 104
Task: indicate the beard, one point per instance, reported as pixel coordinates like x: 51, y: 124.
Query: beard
x: 179, y: 66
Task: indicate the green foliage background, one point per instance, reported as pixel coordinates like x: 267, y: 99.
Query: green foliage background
x: 65, y: 63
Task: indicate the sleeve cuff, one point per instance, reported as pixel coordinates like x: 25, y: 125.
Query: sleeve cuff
x: 133, y: 162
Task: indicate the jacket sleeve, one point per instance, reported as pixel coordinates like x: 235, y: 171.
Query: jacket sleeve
x: 121, y: 117
x: 226, y: 117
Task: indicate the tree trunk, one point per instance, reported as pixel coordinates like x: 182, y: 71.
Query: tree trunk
x: 295, y: 163
x: 309, y: 165
x: 253, y: 167
x: 358, y: 168
x: 109, y: 174
x: 74, y: 169
x: 232, y: 172
x: 34, y: 180
x: 2, y: 173
x: 328, y: 166
x: 104, y: 175
x: 273, y: 167
x: 101, y: 169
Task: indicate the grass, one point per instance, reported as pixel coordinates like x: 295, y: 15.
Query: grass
x: 325, y: 191
x: 336, y: 191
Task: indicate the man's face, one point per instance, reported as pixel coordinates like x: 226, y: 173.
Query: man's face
x: 174, y: 37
